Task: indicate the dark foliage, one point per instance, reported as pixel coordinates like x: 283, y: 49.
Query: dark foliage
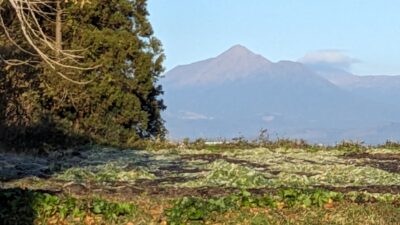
x: 27, y: 207
x: 120, y: 106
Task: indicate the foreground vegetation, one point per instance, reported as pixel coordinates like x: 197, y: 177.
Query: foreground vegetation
x: 199, y: 183
x: 289, y: 206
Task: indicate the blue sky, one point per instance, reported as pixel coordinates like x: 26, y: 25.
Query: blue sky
x: 363, y: 35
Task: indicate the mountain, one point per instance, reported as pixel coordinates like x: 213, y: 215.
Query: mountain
x: 240, y: 92
x: 238, y: 62
x: 379, y: 88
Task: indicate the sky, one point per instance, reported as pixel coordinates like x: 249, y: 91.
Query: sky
x: 361, y: 36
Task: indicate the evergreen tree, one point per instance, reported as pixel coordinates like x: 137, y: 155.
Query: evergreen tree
x: 121, y: 104
x: 19, y: 87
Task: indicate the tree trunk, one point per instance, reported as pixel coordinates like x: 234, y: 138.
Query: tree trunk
x: 58, y: 27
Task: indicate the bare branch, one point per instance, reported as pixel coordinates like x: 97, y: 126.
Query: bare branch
x: 28, y: 14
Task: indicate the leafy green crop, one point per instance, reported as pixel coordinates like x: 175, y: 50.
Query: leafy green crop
x: 26, y: 207
x: 308, y: 198
x: 199, y: 209
x: 192, y: 209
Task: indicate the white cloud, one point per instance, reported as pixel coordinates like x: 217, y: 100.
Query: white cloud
x: 187, y: 115
x: 331, y: 58
x: 268, y: 118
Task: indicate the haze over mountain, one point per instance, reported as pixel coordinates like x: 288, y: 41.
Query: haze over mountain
x: 239, y: 92
x: 380, y: 88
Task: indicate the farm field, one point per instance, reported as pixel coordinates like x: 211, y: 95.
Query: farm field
x: 282, y: 185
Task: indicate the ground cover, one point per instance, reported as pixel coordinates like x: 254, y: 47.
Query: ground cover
x: 211, y: 185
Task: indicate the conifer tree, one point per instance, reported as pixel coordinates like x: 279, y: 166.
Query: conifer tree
x: 121, y: 104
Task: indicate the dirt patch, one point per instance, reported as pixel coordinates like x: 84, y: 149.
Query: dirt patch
x: 178, y: 192
x: 377, y: 156
x: 174, y: 192
x: 132, y: 191
x: 163, y: 181
x: 78, y: 189
x: 387, y: 162
x: 296, y: 161
x: 392, y: 167
x: 393, y: 189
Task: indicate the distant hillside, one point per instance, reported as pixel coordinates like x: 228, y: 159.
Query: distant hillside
x: 240, y: 92
x: 379, y: 88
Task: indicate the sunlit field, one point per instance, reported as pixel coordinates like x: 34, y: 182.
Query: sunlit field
x: 215, y: 184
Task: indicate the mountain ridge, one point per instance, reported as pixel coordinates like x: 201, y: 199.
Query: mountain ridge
x: 241, y: 92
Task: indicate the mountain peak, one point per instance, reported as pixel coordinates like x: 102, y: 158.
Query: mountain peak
x: 237, y: 50
x: 237, y: 62
x: 240, y: 54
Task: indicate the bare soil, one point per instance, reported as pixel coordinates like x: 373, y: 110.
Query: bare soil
x: 384, y: 161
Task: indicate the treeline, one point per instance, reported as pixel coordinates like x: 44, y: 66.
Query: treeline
x: 119, y: 105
